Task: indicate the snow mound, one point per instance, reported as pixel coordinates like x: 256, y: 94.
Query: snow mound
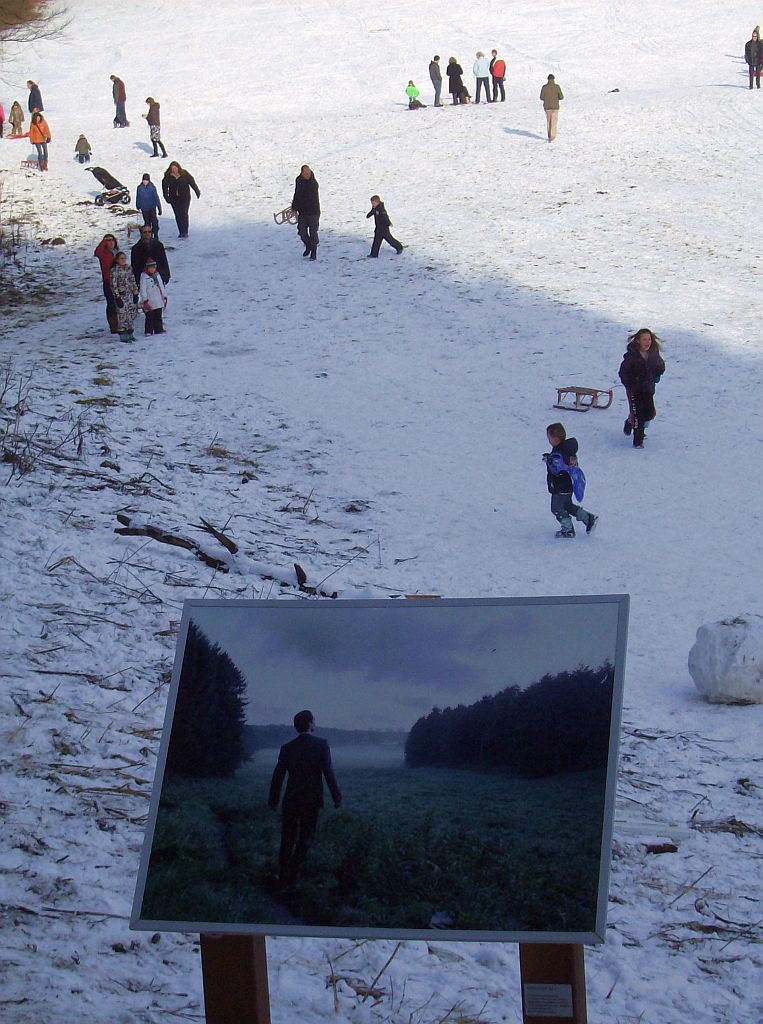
x: 726, y: 661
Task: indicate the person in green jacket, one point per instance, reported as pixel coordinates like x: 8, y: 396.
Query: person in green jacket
x: 414, y: 103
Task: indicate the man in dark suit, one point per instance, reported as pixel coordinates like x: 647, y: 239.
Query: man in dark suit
x: 307, y: 761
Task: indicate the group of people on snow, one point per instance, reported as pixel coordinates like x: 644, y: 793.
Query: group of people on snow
x: 141, y: 284
x: 490, y: 76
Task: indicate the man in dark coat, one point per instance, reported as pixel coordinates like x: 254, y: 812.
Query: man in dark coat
x: 145, y: 249
x: 435, y: 74
x: 119, y: 95
x: 307, y: 761
x: 306, y: 205
x: 35, y: 97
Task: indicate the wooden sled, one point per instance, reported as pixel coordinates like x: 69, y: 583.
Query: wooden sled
x: 578, y: 399
x: 30, y: 163
x: 287, y: 216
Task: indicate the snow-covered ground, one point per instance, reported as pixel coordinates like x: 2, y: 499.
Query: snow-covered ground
x: 383, y: 423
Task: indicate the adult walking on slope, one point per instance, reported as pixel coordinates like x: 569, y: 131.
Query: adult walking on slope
x: 753, y: 55
x: 119, y: 96
x: 481, y: 69
x: 176, y: 189
x: 550, y: 95
x: 307, y: 206
x: 153, y: 120
x: 640, y: 370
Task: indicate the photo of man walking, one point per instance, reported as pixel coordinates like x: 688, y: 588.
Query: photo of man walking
x: 307, y: 762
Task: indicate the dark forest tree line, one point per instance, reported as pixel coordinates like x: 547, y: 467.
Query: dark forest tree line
x: 558, y: 724
x: 207, y: 738
x: 261, y: 737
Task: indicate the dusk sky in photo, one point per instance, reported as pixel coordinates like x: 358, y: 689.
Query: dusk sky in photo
x: 384, y: 666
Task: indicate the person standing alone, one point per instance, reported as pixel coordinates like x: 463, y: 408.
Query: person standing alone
x: 550, y: 96
x: 307, y: 762
x: 307, y: 206
x: 753, y: 55
x: 119, y: 96
x: 154, y: 126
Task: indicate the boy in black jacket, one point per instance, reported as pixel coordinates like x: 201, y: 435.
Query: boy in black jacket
x: 560, y: 483
x: 382, y: 224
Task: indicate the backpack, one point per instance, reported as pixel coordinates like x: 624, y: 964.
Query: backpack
x: 556, y: 465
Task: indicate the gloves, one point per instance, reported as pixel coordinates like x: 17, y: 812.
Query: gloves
x: 119, y: 303
x: 147, y: 306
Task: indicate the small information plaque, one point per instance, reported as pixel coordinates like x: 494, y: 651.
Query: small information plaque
x: 548, y: 1000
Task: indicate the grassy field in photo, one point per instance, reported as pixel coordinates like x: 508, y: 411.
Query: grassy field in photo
x: 475, y: 850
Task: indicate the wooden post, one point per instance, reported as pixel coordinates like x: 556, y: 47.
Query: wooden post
x: 553, y: 983
x: 235, y: 973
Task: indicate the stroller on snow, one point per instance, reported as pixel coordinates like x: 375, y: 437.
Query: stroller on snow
x: 113, y: 191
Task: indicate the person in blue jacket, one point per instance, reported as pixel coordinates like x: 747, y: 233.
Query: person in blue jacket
x: 561, y: 459
x: 148, y: 202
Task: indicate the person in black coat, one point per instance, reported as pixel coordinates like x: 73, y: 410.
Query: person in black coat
x: 456, y: 87
x: 35, y: 97
x: 307, y: 762
x: 382, y: 225
x: 149, y: 248
x: 306, y: 205
x: 640, y: 370
x: 753, y: 55
x: 176, y: 189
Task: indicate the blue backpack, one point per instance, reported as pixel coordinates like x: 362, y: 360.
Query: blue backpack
x: 556, y: 465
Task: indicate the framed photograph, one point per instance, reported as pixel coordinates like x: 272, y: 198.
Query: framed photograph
x: 400, y: 768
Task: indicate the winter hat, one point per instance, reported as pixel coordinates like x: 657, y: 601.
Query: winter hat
x: 551, y: 78
x: 146, y: 177
x: 150, y: 263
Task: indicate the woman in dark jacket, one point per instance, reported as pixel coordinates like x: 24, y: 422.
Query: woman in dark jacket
x: 640, y: 370
x: 176, y: 189
x: 455, y: 82
x: 753, y: 55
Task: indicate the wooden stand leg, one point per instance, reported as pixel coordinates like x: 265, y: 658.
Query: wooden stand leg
x: 553, y: 983
x: 235, y: 973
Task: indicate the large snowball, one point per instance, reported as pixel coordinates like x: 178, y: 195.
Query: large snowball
x: 726, y: 661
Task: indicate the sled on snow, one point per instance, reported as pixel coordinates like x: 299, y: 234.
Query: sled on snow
x: 114, y: 191
x: 287, y: 216
x: 578, y: 399
x: 34, y: 164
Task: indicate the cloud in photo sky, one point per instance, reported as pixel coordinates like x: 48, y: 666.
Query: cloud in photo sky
x: 383, y: 665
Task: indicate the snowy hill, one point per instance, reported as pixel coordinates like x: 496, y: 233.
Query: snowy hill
x: 381, y: 424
